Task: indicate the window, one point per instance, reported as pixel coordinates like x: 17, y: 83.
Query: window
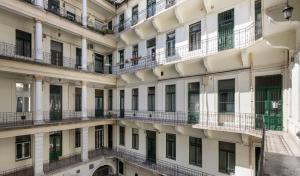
x: 193, y: 101
x: 135, y: 138
x: 77, y: 138
x: 121, y: 22
x: 151, y: 98
x: 135, y: 99
x: 171, y: 146
x: 258, y: 19
x: 226, y: 96
x: 151, y: 49
x: 170, y: 44
x: 171, y: 98
x: 99, y: 136
x: 122, y: 135
x: 53, y: 6
x: 56, y: 53
x: 195, y: 36
x: 77, y: 99
x: 226, y: 157
x: 109, y: 60
x: 122, y: 103
x: 120, y: 167
x: 23, y: 147
x: 195, y: 151
x: 151, y: 8
x: 225, y: 30
x: 110, y: 99
x: 23, y: 43
x: 23, y: 97
x: 170, y: 3
x: 135, y: 15
x: 135, y: 55
x: 78, y: 58
x: 121, y: 56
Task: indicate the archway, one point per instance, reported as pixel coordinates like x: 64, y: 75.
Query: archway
x: 105, y: 170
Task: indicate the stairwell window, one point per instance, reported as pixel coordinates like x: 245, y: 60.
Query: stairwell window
x: 135, y: 138
x: 171, y: 146
x: 135, y: 99
x: 195, y: 151
x: 170, y: 43
x: 23, y: 147
x: 135, y: 15
x: 195, y: 36
x: 171, y: 98
x: 226, y: 157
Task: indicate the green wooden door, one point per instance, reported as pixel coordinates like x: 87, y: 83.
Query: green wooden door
x: 55, y: 102
x: 55, y: 146
x: 268, y: 104
x: 226, y: 30
x: 151, y: 146
x: 99, y: 101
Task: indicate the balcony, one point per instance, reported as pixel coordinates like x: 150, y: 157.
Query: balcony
x: 159, y: 166
x: 72, y: 17
x: 27, y: 119
x: 24, y: 171
x: 51, y: 59
x: 231, y: 122
x: 63, y: 162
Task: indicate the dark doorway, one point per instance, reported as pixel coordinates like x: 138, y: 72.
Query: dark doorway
x: 151, y: 146
x: 55, y: 102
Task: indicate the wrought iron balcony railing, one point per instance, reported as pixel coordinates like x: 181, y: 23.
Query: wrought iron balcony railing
x: 242, y: 38
x: 73, y: 17
x: 236, y: 122
x: 21, y: 119
x: 12, y: 51
x: 158, y: 165
x: 62, y: 162
x: 26, y: 170
x: 143, y: 14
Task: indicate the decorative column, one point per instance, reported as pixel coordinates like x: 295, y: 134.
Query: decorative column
x: 38, y: 41
x: 38, y: 99
x: 39, y: 3
x: 84, y: 144
x: 84, y: 100
x: 84, y: 13
x: 83, y: 54
x: 38, y: 154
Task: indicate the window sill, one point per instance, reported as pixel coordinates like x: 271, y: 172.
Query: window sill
x: 21, y: 159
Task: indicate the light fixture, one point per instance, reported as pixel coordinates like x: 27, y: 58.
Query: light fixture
x: 287, y: 11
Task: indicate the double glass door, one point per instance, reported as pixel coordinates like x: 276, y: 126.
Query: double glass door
x: 99, y: 63
x: 55, y: 102
x: 55, y: 148
x: 56, y: 53
x: 122, y: 105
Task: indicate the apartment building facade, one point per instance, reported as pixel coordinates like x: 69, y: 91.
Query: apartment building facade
x: 146, y: 87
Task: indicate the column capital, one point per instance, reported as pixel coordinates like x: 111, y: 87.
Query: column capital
x: 83, y: 83
x: 37, y: 20
x: 38, y: 77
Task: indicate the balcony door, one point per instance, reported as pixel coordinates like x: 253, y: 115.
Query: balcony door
x: 55, y: 102
x: 55, y: 142
x: 151, y: 146
x: 56, y: 53
x: 110, y: 136
x: 99, y: 100
x: 122, y: 105
x: 268, y: 101
x: 151, y: 49
x: 23, y: 43
x: 53, y: 6
x: 99, y: 63
x: 226, y: 30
